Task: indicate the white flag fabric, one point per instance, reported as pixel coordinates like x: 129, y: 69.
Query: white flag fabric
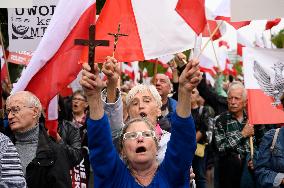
x: 264, y: 81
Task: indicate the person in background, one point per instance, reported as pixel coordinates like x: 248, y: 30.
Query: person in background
x: 232, y: 133
x: 45, y: 163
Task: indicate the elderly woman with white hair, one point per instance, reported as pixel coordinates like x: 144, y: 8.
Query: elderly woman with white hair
x: 139, y: 144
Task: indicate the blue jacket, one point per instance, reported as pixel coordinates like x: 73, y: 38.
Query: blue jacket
x: 110, y: 171
x: 269, y: 167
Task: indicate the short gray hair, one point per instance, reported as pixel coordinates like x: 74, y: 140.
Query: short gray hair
x: 29, y: 98
x: 238, y: 85
x: 142, y: 88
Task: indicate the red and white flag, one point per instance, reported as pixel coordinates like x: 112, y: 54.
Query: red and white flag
x: 154, y: 29
x: 126, y: 68
x: 218, y: 10
x: 264, y: 81
x: 55, y: 62
x: 193, y: 12
x: 272, y: 23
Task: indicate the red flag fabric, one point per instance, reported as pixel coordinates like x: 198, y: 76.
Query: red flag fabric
x: 193, y: 12
x: 263, y: 76
x: 239, y: 49
x: 144, y: 23
x: 238, y: 25
x: 55, y: 62
x: 224, y: 43
x: 272, y: 23
x: 212, y: 26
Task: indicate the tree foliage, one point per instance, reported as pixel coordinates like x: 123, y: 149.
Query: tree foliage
x: 278, y: 40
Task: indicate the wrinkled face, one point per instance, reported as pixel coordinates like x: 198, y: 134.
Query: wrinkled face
x: 140, y: 150
x: 79, y: 103
x: 162, y: 84
x: 236, y: 102
x: 143, y: 104
x: 21, y: 116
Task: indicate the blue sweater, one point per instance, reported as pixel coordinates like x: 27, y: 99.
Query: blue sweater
x: 111, y: 172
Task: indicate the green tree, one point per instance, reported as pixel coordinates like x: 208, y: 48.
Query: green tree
x: 278, y: 40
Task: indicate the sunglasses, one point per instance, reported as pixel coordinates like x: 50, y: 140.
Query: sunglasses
x: 135, y: 135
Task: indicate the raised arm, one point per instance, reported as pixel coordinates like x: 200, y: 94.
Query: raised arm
x: 111, y: 96
x: 92, y: 85
x: 177, y: 163
x: 103, y: 157
x: 188, y: 80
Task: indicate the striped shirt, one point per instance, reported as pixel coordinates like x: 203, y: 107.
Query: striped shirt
x: 11, y: 172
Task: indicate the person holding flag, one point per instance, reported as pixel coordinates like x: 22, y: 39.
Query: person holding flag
x: 232, y: 133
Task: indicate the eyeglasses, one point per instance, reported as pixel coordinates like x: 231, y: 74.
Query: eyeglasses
x: 134, y: 135
x: 15, y: 109
x: 78, y: 99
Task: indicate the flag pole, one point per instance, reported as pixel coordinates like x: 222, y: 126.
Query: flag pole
x: 209, y: 30
x: 271, y: 38
x: 155, y: 71
x: 4, y: 55
x: 251, y: 147
x: 210, y: 38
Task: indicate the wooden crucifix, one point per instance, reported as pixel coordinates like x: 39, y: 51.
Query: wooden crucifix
x: 116, y: 37
x: 92, y: 44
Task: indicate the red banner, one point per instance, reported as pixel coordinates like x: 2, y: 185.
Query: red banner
x: 22, y: 58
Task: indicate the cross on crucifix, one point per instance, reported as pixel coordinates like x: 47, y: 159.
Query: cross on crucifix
x: 116, y: 37
x: 92, y: 43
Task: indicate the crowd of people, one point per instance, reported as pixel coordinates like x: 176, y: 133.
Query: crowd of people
x: 174, y: 133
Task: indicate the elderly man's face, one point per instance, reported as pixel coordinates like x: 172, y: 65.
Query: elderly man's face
x: 236, y: 102
x: 163, y: 85
x: 140, y: 150
x: 144, y: 104
x: 21, y: 116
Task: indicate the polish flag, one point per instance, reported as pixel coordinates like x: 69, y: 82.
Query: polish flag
x: 264, y: 78
x: 212, y: 25
x: 127, y: 69
x: 218, y: 10
x: 207, y: 65
x: 238, y: 25
x: 154, y: 29
x: 224, y: 43
x: 55, y: 62
x: 193, y: 12
x: 229, y: 69
x: 272, y: 23
x: 240, y: 49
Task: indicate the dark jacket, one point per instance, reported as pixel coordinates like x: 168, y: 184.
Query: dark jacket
x: 71, y: 142
x: 49, y: 169
x: 217, y: 102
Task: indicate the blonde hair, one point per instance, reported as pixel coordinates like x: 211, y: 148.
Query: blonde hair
x: 143, y: 88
